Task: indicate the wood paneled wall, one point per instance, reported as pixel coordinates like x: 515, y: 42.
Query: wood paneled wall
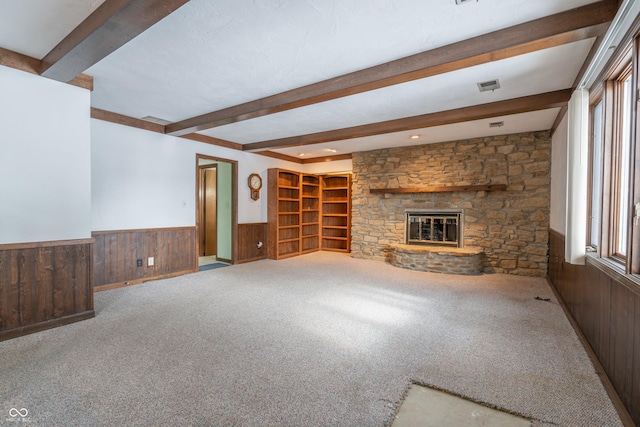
x: 248, y: 237
x: 606, y: 306
x: 116, y: 254
x: 43, y: 285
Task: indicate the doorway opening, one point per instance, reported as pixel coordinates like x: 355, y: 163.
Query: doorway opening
x: 216, y: 210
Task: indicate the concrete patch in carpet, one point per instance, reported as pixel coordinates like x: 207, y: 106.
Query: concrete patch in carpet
x: 426, y: 407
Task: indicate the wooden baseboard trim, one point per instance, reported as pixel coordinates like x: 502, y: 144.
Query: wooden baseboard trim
x: 49, y: 324
x: 141, y: 280
x: 624, y: 415
x: 244, y: 261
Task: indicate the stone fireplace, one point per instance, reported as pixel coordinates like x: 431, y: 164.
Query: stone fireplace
x: 500, y: 183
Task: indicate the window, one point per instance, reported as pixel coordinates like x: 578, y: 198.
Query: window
x: 611, y: 228
x: 621, y: 144
x: 595, y: 172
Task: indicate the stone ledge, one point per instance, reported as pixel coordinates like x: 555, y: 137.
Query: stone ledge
x: 437, y: 259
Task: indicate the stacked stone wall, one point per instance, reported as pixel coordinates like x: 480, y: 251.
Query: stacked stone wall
x: 511, y: 226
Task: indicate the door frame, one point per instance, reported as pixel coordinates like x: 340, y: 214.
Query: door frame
x: 234, y: 205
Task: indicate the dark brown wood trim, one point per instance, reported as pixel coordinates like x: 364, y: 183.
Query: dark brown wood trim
x: 110, y: 26
x: 116, y: 253
x: 82, y: 80
x: 565, y: 27
x: 279, y: 156
x: 556, y: 123
x: 141, y: 230
x: 31, y: 65
x: 348, y: 156
x: 213, y: 141
x: 234, y: 206
x: 21, y: 62
x: 245, y: 261
x: 48, y: 244
x: 439, y: 189
x: 524, y: 104
x: 53, y: 323
x: 120, y: 119
x: 142, y: 280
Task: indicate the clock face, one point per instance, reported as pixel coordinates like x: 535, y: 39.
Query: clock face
x: 255, y: 182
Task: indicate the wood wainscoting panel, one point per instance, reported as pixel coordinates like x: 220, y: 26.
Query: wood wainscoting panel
x: 43, y: 285
x: 248, y: 237
x: 116, y: 254
x: 606, y: 307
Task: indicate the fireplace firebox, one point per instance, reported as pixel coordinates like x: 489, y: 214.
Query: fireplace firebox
x: 442, y: 228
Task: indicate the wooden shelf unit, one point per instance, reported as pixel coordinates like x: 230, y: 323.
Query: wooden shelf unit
x: 307, y: 213
x: 310, y: 214
x: 336, y: 213
x: 284, y: 214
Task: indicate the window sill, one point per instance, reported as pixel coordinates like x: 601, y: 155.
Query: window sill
x: 615, y: 271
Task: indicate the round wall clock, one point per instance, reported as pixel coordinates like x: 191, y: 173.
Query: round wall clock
x: 255, y: 184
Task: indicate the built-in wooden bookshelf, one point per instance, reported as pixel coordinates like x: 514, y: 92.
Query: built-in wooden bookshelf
x: 284, y: 214
x: 307, y: 213
x: 336, y: 213
x: 310, y: 235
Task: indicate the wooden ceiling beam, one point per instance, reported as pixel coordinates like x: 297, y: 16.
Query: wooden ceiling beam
x: 25, y: 63
x: 524, y: 104
x: 347, y: 156
x: 565, y: 27
x: 280, y: 156
x: 213, y: 141
x: 110, y: 26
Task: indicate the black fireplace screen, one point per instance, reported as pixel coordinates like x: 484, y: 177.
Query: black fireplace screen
x: 433, y: 229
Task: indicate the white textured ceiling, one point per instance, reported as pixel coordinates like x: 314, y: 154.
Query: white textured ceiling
x: 210, y: 55
x: 34, y: 27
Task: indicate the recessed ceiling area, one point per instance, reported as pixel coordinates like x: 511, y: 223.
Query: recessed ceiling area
x: 538, y: 72
x: 515, y: 123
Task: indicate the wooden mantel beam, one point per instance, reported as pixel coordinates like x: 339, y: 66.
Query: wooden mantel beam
x: 439, y: 189
x: 562, y: 28
x: 524, y: 104
x: 110, y: 26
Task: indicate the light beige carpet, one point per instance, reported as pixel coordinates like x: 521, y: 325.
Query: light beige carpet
x: 316, y: 340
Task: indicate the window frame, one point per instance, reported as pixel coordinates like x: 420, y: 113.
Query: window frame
x: 610, y: 94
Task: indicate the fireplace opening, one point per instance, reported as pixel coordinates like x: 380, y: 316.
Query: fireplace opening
x: 434, y: 228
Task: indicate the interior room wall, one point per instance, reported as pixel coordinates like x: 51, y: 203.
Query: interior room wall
x: 44, y: 159
x: 142, y: 179
x: 558, y: 196
x: 328, y: 167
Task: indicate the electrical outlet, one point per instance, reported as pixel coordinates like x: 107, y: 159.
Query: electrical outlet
x: 150, y: 261
x: 139, y: 262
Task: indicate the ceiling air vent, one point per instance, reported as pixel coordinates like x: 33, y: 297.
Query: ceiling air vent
x: 490, y: 85
x: 496, y: 124
x: 463, y: 1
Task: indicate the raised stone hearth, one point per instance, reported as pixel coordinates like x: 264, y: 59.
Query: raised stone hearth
x: 437, y: 259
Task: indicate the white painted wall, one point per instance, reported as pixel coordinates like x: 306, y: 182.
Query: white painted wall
x: 143, y: 179
x: 559, y: 178
x: 328, y: 167
x: 45, y: 176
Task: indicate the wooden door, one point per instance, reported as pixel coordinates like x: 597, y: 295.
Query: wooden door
x: 210, y: 204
